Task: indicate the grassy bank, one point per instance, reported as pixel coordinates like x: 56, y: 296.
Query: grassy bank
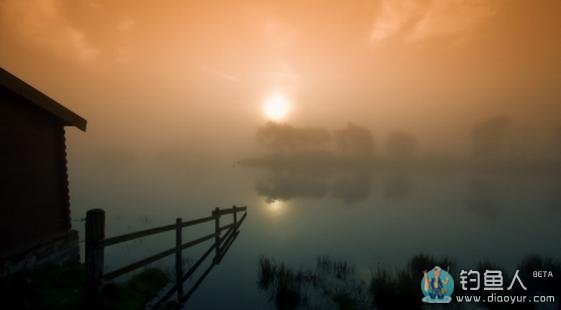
x: 334, y: 284
x: 61, y: 287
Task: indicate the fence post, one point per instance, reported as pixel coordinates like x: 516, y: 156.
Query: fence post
x: 178, y: 259
x: 216, y: 215
x: 95, y: 233
x: 235, y: 220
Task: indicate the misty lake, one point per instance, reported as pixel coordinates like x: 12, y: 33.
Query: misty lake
x: 367, y: 217
x: 364, y: 133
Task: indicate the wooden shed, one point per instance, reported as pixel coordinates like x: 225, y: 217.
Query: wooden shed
x: 35, y: 224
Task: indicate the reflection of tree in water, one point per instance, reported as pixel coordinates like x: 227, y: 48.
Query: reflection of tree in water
x: 285, y: 186
x: 401, y: 145
x: 304, y: 162
x: 347, y: 185
x: 352, y: 187
x: 398, y: 186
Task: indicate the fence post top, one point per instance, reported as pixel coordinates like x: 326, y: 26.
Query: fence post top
x: 95, y: 211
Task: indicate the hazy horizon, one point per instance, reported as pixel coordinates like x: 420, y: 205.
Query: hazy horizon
x: 193, y: 77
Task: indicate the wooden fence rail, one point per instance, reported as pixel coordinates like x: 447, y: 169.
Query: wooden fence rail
x: 96, y: 243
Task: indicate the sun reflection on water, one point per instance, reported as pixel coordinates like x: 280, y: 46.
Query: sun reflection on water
x: 276, y: 207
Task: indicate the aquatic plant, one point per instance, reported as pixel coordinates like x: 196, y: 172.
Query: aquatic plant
x: 332, y: 282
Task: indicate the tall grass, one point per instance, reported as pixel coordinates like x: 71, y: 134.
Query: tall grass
x: 283, y: 284
x: 335, y: 284
x: 401, y: 288
x: 332, y: 282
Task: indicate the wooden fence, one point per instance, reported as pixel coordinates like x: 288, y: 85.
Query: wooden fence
x: 96, y: 243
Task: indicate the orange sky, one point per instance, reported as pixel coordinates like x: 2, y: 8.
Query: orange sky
x: 154, y: 74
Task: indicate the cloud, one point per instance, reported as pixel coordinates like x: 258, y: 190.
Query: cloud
x: 414, y: 21
x: 122, y: 48
x: 126, y: 24
x: 393, y: 17
x: 219, y: 74
x: 42, y: 24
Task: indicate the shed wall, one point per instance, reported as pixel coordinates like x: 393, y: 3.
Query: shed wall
x: 34, y: 202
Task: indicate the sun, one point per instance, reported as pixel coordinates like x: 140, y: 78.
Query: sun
x: 276, y: 107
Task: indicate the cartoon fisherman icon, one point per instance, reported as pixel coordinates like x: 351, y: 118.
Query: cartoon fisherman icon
x: 434, y: 286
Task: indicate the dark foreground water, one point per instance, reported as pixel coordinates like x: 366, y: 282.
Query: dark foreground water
x: 366, y: 218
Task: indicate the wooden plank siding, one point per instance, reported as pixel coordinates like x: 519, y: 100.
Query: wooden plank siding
x: 34, y: 199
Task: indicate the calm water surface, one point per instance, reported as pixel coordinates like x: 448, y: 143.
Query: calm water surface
x: 364, y: 217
